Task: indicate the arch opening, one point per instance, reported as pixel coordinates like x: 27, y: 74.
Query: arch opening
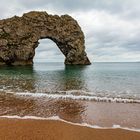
x: 48, y: 51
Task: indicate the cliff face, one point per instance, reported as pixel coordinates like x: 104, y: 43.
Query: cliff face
x: 19, y: 37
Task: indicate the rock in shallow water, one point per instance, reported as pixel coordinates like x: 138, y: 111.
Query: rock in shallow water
x: 19, y: 37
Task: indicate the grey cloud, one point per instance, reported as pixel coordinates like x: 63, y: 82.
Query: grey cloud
x: 74, y: 4
x: 126, y: 8
x: 108, y: 43
x: 113, y: 6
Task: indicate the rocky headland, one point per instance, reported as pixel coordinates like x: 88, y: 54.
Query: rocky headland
x: 19, y: 37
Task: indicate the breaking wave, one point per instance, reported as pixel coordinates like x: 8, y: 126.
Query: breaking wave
x: 76, y: 95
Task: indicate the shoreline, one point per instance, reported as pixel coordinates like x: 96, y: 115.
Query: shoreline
x: 24, y: 129
x: 91, y: 113
x: 56, y: 118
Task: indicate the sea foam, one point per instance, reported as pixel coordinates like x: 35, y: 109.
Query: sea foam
x: 79, y: 97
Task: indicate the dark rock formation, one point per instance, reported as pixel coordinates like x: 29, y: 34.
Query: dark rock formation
x: 19, y: 37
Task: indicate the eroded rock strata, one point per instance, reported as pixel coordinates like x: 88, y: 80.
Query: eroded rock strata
x: 19, y: 37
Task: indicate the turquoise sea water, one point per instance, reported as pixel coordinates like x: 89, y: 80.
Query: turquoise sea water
x: 106, y: 80
x: 79, y: 94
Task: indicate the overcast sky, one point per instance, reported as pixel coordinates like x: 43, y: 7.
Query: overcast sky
x: 111, y: 27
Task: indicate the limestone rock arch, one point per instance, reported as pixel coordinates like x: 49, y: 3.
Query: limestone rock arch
x: 19, y: 37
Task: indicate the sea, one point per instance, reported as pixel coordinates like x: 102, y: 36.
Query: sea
x: 100, y: 94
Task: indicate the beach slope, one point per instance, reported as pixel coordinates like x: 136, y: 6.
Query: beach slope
x: 28, y: 129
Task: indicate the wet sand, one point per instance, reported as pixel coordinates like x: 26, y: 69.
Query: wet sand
x: 17, y: 129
